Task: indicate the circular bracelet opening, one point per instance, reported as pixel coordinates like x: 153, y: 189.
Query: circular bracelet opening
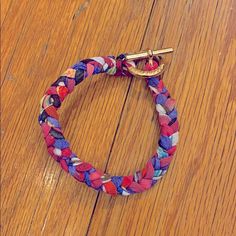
x: 59, y: 148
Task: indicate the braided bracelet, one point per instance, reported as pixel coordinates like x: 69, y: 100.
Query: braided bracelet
x: 123, y: 65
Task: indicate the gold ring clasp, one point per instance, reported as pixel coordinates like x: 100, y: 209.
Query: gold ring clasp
x: 147, y: 54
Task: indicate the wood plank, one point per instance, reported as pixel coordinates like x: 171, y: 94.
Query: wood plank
x: 197, y: 196
x: 5, y: 6
x: 16, y: 18
x: 39, y: 198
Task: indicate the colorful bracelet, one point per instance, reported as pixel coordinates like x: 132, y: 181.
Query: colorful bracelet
x: 123, y: 65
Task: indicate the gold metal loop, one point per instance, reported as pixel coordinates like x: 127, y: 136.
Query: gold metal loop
x: 146, y: 73
x: 147, y: 54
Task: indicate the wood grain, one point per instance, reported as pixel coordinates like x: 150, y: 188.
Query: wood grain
x: 111, y: 121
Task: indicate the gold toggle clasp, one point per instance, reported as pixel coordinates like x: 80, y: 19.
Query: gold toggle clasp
x: 143, y: 55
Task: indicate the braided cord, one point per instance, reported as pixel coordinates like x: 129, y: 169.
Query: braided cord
x: 59, y: 148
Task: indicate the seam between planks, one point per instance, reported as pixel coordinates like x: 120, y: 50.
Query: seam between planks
x: 121, y: 115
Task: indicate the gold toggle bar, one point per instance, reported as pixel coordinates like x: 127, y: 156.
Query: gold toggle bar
x: 146, y: 54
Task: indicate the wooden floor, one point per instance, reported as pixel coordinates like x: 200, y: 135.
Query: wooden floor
x: 111, y: 121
